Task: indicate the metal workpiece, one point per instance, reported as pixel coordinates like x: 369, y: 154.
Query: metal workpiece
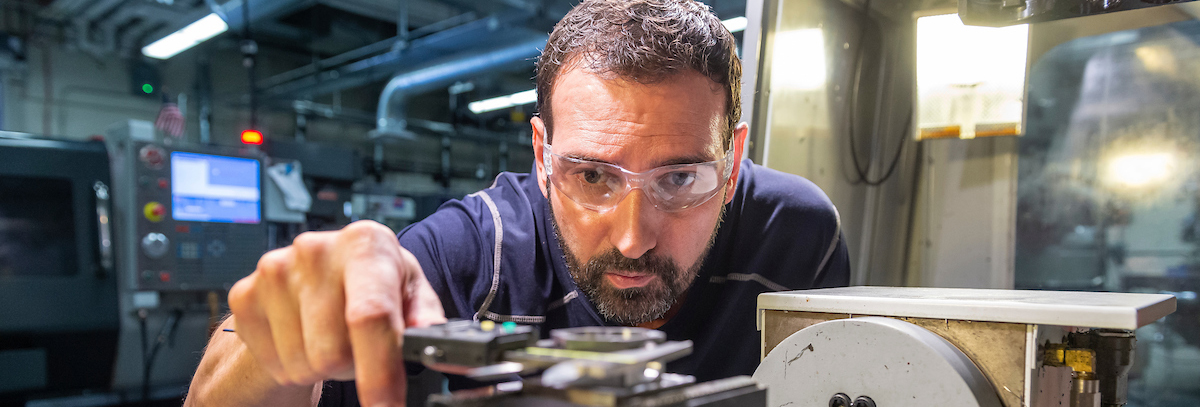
x: 591, y: 366
x: 604, y: 339
x: 626, y: 367
x: 464, y: 344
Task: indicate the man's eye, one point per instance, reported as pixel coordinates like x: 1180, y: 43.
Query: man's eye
x: 680, y: 179
x: 591, y: 177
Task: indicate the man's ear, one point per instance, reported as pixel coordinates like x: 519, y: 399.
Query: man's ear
x: 739, y: 148
x: 539, y: 134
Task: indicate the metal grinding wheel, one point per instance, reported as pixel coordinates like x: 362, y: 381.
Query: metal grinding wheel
x: 891, y: 362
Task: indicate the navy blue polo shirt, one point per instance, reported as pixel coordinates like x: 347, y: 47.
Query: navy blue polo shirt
x: 493, y: 255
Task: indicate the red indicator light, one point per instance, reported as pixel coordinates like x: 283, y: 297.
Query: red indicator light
x: 252, y: 137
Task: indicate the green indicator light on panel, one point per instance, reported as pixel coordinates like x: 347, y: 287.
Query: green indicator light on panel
x: 147, y: 88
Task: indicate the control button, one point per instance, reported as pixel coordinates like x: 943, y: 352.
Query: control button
x: 508, y: 327
x: 152, y: 156
x: 147, y: 274
x: 164, y: 276
x: 487, y: 326
x: 162, y: 183
x: 154, y: 211
x: 216, y: 248
x: 189, y: 250
x: 155, y: 245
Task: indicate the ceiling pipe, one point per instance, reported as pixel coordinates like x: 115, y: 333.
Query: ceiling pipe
x: 486, y: 33
x: 391, y: 121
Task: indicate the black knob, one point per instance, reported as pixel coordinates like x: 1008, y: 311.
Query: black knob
x: 840, y: 400
x: 863, y: 401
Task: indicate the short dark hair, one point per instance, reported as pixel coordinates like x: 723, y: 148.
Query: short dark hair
x: 645, y: 41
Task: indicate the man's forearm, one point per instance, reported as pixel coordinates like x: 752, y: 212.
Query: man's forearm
x: 229, y: 376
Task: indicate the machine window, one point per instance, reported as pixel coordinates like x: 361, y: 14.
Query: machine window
x: 37, y: 227
x: 1109, y: 187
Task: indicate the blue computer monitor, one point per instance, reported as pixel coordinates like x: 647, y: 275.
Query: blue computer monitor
x: 211, y: 188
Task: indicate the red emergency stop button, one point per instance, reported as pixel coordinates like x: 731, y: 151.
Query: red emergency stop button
x: 152, y: 156
x: 154, y: 211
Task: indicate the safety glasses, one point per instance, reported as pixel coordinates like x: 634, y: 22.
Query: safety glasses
x: 671, y: 188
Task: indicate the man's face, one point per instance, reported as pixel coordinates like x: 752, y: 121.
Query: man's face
x: 634, y: 260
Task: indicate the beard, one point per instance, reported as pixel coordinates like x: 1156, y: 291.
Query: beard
x: 634, y: 305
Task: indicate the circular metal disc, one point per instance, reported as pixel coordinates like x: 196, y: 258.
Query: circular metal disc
x: 606, y: 338
x: 893, y: 362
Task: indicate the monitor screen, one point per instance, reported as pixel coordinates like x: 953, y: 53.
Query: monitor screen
x: 210, y: 188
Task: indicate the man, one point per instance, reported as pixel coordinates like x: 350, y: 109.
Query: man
x: 638, y: 213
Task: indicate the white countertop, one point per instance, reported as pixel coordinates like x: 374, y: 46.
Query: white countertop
x: 1062, y: 308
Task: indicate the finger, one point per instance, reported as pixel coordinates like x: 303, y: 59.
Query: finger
x: 252, y: 326
x: 322, y: 309
x: 284, y: 314
x: 422, y: 307
x: 373, y: 316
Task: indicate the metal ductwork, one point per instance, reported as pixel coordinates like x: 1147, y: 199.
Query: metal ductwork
x: 391, y: 112
x: 483, y: 35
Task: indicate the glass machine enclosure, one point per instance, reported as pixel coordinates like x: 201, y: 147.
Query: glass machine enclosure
x: 1100, y: 192
x: 1109, y: 186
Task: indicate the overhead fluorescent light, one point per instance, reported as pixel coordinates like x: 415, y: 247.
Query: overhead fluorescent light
x: 735, y: 24
x: 187, y: 37
x: 503, y: 102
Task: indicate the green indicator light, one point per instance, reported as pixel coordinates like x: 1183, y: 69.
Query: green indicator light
x: 508, y: 327
x: 147, y: 88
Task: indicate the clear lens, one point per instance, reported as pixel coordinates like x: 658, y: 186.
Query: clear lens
x: 600, y: 186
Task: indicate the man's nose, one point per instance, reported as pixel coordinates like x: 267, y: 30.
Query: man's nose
x: 635, y: 225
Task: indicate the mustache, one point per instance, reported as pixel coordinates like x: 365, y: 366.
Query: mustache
x: 649, y: 263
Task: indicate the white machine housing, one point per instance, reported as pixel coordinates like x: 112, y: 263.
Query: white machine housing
x: 1005, y: 333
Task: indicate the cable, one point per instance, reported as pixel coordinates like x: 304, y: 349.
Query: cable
x: 863, y: 173
x: 166, y: 334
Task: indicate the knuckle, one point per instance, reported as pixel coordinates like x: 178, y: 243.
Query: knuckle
x: 367, y: 230
x: 274, y: 264
x: 273, y: 257
x: 240, y: 295
x: 369, y: 311
x: 308, y: 242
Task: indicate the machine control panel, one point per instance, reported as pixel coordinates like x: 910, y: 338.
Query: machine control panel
x: 199, y: 218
